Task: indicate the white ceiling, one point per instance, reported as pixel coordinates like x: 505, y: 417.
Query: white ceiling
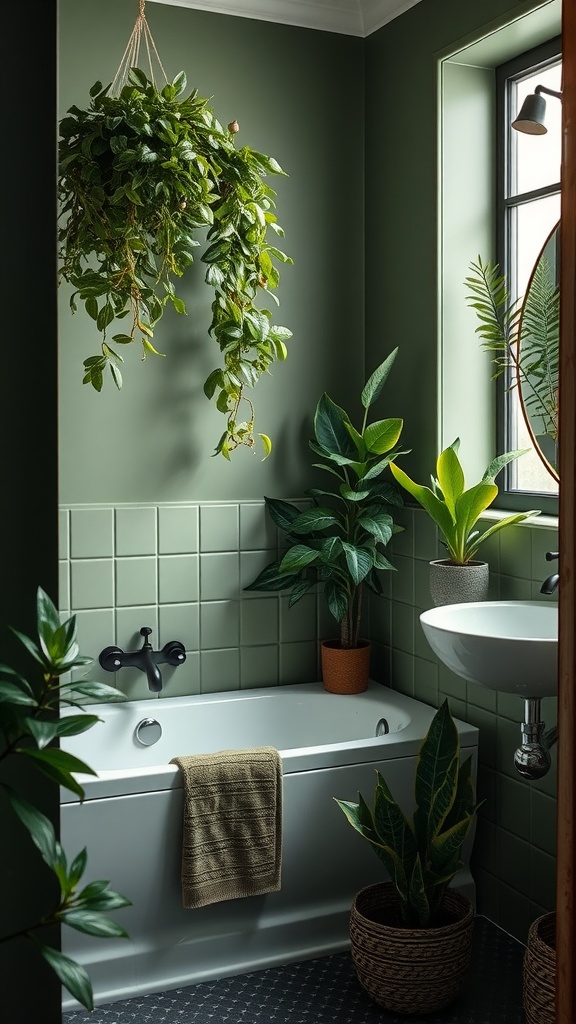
x: 349, y: 17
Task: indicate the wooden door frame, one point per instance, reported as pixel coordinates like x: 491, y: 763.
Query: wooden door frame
x: 566, y: 790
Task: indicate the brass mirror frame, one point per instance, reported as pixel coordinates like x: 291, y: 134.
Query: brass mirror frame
x: 566, y: 784
x: 522, y: 380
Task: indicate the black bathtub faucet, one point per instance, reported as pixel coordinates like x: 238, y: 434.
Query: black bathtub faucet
x: 551, y: 582
x: 147, y: 659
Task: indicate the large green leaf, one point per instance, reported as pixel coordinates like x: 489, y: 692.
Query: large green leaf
x: 358, y: 560
x: 391, y: 826
x: 92, y: 923
x: 377, y: 523
x: 469, y: 508
x: 317, y: 518
x: 377, y: 380
x: 39, y: 826
x: 297, y: 557
x: 283, y: 513
x: 436, y: 508
x: 11, y: 693
x: 450, y: 478
x: 436, y: 775
x: 71, y: 974
x: 59, y: 765
x: 519, y: 517
x: 380, y: 437
x: 500, y: 461
x: 271, y: 578
x: 337, y: 599
x: 330, y: 430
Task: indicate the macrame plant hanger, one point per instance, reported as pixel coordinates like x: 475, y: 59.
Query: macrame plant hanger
x: 131, y: 54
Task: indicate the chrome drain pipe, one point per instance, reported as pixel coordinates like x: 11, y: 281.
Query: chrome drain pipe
x: 532, y: 758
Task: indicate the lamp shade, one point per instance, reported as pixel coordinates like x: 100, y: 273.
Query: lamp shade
x: 530, y: 119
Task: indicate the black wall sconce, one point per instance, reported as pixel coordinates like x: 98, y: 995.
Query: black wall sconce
x: 530, y: 119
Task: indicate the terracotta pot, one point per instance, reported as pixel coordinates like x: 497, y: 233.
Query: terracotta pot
x: 458, y: 584
x: 345, y: 669
x: 412, y: 971
x: 539, y: 971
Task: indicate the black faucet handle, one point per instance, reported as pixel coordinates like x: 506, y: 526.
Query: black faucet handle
x: 551, y: 556
x: 145, y: 632
x: 174, y: 652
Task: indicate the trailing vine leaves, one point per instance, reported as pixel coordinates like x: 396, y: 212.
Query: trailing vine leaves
x: 29, y: 728
x: 139, y: 176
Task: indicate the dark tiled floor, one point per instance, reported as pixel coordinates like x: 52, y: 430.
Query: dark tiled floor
x: 326, y: 991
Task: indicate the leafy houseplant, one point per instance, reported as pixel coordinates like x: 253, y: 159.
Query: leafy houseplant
x: 338, y: 542
x: 455, y: 509
x: 140, y: 174
x: 402, y: 931
x: 422, y: 857
x: 29, y: 727
x: 523, y: 335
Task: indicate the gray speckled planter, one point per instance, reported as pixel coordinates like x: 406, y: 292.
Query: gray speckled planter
x: 458, y: 584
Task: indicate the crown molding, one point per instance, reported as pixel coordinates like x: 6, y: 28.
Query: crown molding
x: 347, y: 17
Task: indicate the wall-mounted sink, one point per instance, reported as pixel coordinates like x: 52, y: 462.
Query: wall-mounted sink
x: 509, y: 646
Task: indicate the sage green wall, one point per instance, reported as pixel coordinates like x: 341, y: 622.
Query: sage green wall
x: 402, y: 204
x: 298, y: 96
x: 514, y: 862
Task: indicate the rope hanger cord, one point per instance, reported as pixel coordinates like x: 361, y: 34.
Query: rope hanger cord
x: 131, y: 54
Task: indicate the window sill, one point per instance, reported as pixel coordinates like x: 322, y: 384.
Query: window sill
x: 546, y: 522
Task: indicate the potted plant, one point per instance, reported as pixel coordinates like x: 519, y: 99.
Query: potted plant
x: 456, y: 510
x: 29, y: 730
x: 338, y: 542
x: 411, y: 935
x: 140, y: 174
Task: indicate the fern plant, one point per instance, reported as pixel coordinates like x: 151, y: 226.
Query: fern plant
x: 522, y: 335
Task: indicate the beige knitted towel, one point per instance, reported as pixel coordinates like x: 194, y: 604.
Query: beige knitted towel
x: 232, y: 825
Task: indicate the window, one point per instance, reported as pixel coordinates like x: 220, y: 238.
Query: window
x: 528, y: 208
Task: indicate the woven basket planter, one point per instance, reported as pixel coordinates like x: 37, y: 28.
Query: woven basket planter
x: 539, y: 972
x: 345, y: 670
x: 411, y: 971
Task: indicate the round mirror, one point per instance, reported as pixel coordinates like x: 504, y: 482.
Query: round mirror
x: 537, y: 360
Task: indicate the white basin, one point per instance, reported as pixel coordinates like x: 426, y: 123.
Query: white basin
x: 511, y: 646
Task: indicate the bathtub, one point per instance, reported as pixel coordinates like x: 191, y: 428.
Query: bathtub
x: 131, y: 824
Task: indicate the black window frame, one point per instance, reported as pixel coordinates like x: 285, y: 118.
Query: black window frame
x: 529, y: 62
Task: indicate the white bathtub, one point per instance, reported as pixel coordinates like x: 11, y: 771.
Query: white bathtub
x: 131, y: 824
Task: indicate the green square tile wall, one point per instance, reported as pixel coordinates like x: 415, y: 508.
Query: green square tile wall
x: 513, y: 860
x: 181, y: 570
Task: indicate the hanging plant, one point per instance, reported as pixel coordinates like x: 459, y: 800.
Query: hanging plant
x: 141, y: 173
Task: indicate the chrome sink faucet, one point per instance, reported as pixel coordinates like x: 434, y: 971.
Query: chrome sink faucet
x: 551, y: 582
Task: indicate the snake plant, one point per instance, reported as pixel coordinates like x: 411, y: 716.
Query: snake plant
x: 422, y: 856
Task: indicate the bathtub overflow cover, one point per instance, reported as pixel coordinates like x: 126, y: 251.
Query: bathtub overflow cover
x: 148, y: 731
x: 382, y: 728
